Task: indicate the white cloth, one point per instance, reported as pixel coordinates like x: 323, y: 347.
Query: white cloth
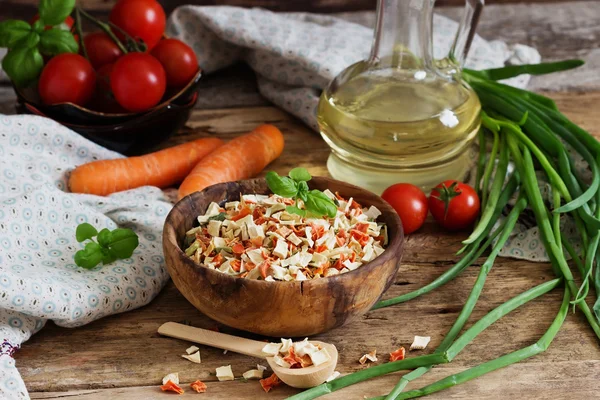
x: 39, y: 280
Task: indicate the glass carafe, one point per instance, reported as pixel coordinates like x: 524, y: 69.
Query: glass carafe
x: 401, y: 115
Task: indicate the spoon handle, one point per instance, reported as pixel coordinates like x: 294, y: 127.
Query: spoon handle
x: 223, y: 341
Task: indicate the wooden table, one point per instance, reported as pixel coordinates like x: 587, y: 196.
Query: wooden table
x: 123, y: 357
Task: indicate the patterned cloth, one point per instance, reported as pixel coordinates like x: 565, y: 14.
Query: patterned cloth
x: 38, y: 278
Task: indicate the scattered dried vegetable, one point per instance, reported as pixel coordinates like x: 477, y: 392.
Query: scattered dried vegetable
x: 303, y: 354
x: 198, y: 386
x: 398, y: 354
x: 420, y: 342
x: 270, y: 382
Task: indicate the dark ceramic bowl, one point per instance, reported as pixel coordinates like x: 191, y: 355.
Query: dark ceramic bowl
x: 127, y: 133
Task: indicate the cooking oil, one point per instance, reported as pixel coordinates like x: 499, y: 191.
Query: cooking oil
x: 394, y: 125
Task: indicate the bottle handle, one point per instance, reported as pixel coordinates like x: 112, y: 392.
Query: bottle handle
x: 466, y: 31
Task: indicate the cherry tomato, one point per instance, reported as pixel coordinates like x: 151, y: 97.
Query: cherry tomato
x: 104, y: 99
x: 138, y: 81
x: 143, y: 19
x: 101, y: 49
x: 66, y: 25
x: 67, y: 78
x: 410, y: 203
x: 178, y: 60
x: 454, y: 205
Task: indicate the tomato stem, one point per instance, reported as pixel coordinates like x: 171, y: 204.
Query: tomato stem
x: 137, y: 45
x: 105, y: 28
x: 80, y: 32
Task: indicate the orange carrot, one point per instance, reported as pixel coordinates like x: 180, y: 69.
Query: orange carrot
x: 270, y: 382
x: 162, y: 168
x: 171, y: 386
x: 198, y: 386
x: 243, y: 157
x: 398, y: 354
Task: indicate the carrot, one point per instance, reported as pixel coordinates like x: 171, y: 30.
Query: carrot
x: 162, y: 168
x: 243, y: 157
x: 171, y: 386
x: 198, y: 386
x: 398, y: 354
x: 270, y: 382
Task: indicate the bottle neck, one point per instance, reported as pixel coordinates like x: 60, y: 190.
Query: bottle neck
x: 403, y: 34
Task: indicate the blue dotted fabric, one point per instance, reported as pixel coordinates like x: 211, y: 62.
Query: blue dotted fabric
x: 295, y: 55
x: 38, y: 279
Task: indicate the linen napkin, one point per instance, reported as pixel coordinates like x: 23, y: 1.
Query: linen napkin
x: 39, y: 280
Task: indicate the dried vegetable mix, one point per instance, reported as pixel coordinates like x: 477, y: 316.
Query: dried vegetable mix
x: 528, y: 130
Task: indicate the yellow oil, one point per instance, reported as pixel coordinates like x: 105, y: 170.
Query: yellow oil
x: 394, y: 125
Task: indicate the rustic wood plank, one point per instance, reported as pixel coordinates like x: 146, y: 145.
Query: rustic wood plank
x: 123, y: 357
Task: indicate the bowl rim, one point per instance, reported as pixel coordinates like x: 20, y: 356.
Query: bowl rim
x: 394, y: 248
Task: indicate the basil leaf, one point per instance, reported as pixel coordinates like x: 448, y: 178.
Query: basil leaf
x: 123, y: 242
x: 302, y: 190
x: 12, y: 31
x: 319, y: 204
x: 300, y: 175
x: 85, y: 231
x: 54, y: 12
x: 105, y: 238
x: 23, y: 66
x: 28, y: 42
x: 90, y: 256
x: 219, y: 217
x: 295, y: 210
x: 281, y: 185
x: 57, y: 41
x: 108, y: 256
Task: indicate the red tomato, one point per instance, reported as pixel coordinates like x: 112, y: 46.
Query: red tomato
x: 454, y: 205
x: 178, y: 60
x: 66, y: 25
x: 67, y: 78
x: 101, y: 49
x: 144, y: 19
x: 138, y: 81
x: 104, y: 99
x: 409, y: 202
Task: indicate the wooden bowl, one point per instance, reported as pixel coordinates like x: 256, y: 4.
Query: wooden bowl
x: 280, y: 309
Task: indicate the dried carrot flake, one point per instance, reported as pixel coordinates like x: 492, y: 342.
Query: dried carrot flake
x: 171, y: 386
x: 270, y: 382
x: 398, y: 354
x: 198, y: 386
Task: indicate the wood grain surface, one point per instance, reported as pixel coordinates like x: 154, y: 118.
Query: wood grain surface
x: 122, y: 356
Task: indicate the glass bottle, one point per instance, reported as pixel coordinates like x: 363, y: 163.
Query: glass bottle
x: 401, y: 115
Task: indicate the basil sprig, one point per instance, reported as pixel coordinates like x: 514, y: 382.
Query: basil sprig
x: 111, y: 245
x: 295, y: 187
x: 26, y: 43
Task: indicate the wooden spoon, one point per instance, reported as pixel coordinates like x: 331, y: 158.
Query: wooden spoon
x: 298, y: 377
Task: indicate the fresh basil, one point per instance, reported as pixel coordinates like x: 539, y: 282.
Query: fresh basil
x: 111, y: 245
x: 281, y: 185
x: 90, y: 256
x: 28, y: 42
x: 300, y: 174
x: 57, y: 41
x: 23, y: 65
x: 319, y: 204
x: 295, y: 187
x: 84, y: 232
x: 12, y: 31
x: 54, y: 12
